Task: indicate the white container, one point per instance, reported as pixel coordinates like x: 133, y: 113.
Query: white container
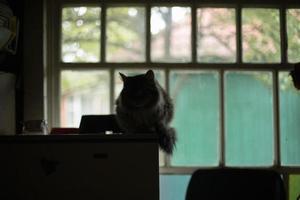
x: 7, y: 104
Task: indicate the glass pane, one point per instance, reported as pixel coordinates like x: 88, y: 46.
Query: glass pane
x: 289, y: 121
x: 196, y: 98
x: 161, y: 157
x: 249, y: 134
x: 216, y: 35
x: 294, y: 187
x: 293, y: 34
x: 261, y: 35
x: 80, y: 34
x: 170, y: 34
x: 173, y: 187
x: 83, y: 92
x: 125, y: 34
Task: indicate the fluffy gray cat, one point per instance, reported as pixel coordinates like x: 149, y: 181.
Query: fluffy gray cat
x: 144, y: 107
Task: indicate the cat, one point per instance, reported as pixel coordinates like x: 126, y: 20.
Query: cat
x: 143, y: 106
x: 295, y: 73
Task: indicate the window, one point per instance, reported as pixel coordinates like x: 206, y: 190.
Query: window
x: 83, y: 92
x: 170, y: 34
x: 289, y: 110
x: 261, y: 35
x: 293, y: 19
x: 216, y: 35
x: 190, y: 90
x: 249, y: 129
x: 225, y: 66
x: 80, y: 34
x: 125, y: 34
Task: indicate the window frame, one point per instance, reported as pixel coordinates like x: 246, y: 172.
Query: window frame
x: 55, y: 65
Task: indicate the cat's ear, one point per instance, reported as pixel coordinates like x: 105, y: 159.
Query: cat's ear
x: 150, y: 74
x: 297, y: 68
x: 123, y: 77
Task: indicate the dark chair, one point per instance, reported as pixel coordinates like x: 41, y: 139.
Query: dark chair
x: 99, y: 124
x: 235, y: 184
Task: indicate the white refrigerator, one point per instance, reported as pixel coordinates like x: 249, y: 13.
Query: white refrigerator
x: 7, y: 104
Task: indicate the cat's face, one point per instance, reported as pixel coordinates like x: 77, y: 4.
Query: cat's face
x: 139, y: 91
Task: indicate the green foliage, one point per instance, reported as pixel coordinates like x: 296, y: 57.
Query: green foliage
x: 293, y: 28
x: 216, y: 35
x: 125, y: 32
x: 81, y: 34
x: 125, y: 26
x: 295, y: 186
x: 83, y: 26
x: 261, y: 35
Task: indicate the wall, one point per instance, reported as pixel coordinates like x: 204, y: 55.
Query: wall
x: 33, y: 60
x: 27, y: 64
x: 14, y: 64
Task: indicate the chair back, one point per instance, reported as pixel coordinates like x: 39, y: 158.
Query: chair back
x: 235, y: 184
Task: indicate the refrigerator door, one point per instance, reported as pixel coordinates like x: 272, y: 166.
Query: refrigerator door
x: 7, y: 104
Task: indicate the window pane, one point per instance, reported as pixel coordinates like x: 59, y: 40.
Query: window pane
x: 80, y: 34
x: 294, y: 187
x: 293, y: 30
x: 249, y: 134
x: 125, y: 34
x: 83, y: 92
x: 216, y: 35
x: 171, y: 34
x: 196, y: 98
x: 173, y: 187
x: 261, y: 35
x: 289, y: 121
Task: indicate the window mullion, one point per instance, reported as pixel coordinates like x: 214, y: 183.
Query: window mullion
x: 222, y: 144
x: 103, y: 57
x: 103, y: 33
x: 283, y: 40
x: 148, y: 33
x: 283, y: 35
x: 239, y: 48
x: 56, y: 67
x: 276, y: 118
x: 194, y: 33
x: 112, y: 89
x: 167, y: 158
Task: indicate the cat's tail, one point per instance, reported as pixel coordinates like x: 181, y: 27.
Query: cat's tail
x: 167, y: 139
